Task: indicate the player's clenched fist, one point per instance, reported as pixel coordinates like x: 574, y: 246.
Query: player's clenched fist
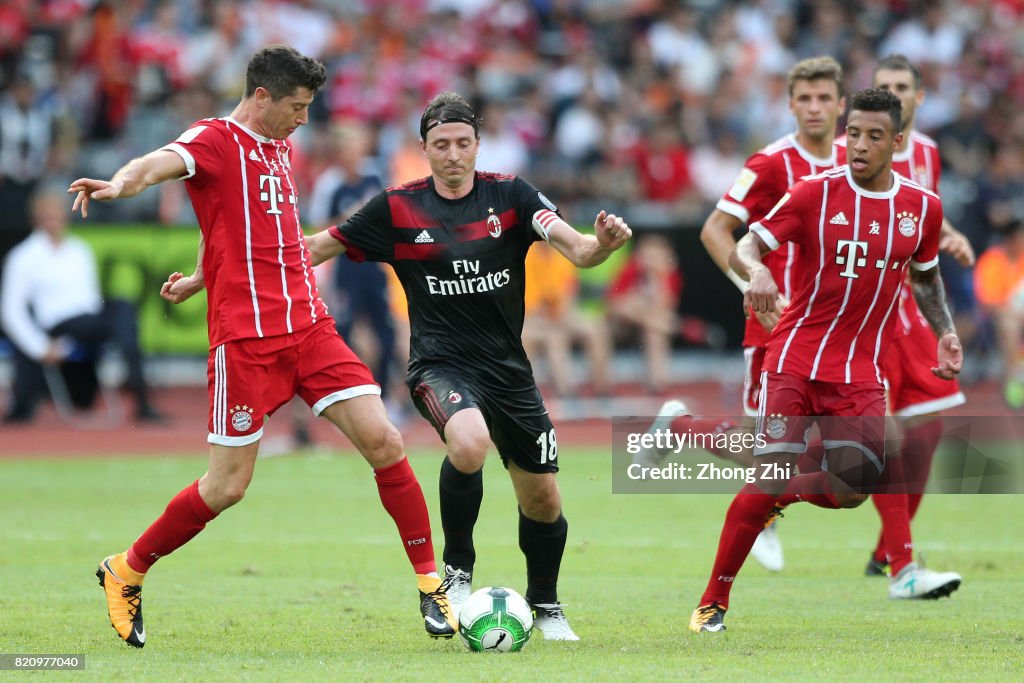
x: 178, y: 288
x: 761, y: 292
x: 950, y: 356
x: 612, y: 231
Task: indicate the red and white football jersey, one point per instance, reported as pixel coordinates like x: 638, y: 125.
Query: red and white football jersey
x: 259, y: 278
x: 919, y: 162
x: 854, y: 249
x: 765, y: 177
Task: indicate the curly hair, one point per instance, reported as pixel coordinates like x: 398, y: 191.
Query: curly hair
x: 876, y: 99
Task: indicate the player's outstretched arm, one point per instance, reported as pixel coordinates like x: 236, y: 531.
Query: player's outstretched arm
x: 761, y: 293
x: 931, y: 300
x: 134, y: 177
x: 178, y: 287
x: 323, y: 247
x: 956, y: 244
x: 587, y: 251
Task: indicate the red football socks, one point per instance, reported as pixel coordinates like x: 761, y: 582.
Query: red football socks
x: 896, y: 539
x: 915, y: 461
x: 919, y: 447
x: 185, y: 516
x: 402, y: 497
x: 743, y: 522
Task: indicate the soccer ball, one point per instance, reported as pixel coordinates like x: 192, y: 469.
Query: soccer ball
x: 495, y: 620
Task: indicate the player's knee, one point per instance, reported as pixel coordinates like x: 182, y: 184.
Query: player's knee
x: 219, y: 495
x: 384, y: 447
x: 467, y: 449
x: 545, y: 509
x: 541, y: 504
x: 233, y: 494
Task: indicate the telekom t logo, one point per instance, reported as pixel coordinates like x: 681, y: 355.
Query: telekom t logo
x: 270, y: 191
x: 852, y: 254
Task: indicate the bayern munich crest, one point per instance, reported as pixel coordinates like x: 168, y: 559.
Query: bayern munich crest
x: 241, y: 418
x: 455, y: 397
x: 907, y: 224
x: 493, y: 224
x: 776, y: 427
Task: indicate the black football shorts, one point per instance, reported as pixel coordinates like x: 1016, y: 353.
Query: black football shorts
x: 516, y: 418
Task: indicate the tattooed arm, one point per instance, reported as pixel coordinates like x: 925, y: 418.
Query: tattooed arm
x: 931, y: 299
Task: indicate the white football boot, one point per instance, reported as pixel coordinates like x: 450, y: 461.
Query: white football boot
x: 767, y: 549
x: 670, y: 410
x: 550, y: 619
x: 918, y: 583
x: 459, y: 585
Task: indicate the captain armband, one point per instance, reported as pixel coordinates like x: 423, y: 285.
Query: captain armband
x: 543, y: 221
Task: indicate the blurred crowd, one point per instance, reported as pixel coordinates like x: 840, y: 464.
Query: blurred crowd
x: 645, y: 107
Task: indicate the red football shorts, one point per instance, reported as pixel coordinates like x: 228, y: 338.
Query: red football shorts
x: 847, y: 415
x: 248, y: 379
x: 753, y: 357
x: 913, y: 389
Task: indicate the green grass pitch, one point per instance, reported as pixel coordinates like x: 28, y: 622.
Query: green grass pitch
x: 306, y: 578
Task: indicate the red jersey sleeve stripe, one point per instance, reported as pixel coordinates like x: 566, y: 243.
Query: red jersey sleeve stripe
x: 352, y: 251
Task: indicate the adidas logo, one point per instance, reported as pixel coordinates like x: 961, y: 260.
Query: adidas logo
x: 424, y: 238
x: 839, y: 219
x: 252, y: 155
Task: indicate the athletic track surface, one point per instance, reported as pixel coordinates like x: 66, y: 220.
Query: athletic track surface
x: 184, y: 432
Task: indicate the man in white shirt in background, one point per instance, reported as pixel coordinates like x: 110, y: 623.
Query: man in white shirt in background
x: 50, y: 307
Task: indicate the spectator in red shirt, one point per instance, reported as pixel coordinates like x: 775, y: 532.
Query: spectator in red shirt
x: 663, y: 164
x: 643, y: 297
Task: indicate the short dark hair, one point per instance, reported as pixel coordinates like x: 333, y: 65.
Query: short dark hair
x: 899, y: 63
x: 281, y: 69
x: 816, y: 68
x: 876, y: 99
x: 448, y: 107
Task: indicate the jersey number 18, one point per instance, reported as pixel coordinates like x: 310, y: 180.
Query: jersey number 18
x: 548, y: 446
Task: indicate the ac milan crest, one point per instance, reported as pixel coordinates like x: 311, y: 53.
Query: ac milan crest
x: 493, y: 224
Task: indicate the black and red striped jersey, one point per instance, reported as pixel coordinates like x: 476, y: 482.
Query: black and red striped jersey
x: 461, y: 263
